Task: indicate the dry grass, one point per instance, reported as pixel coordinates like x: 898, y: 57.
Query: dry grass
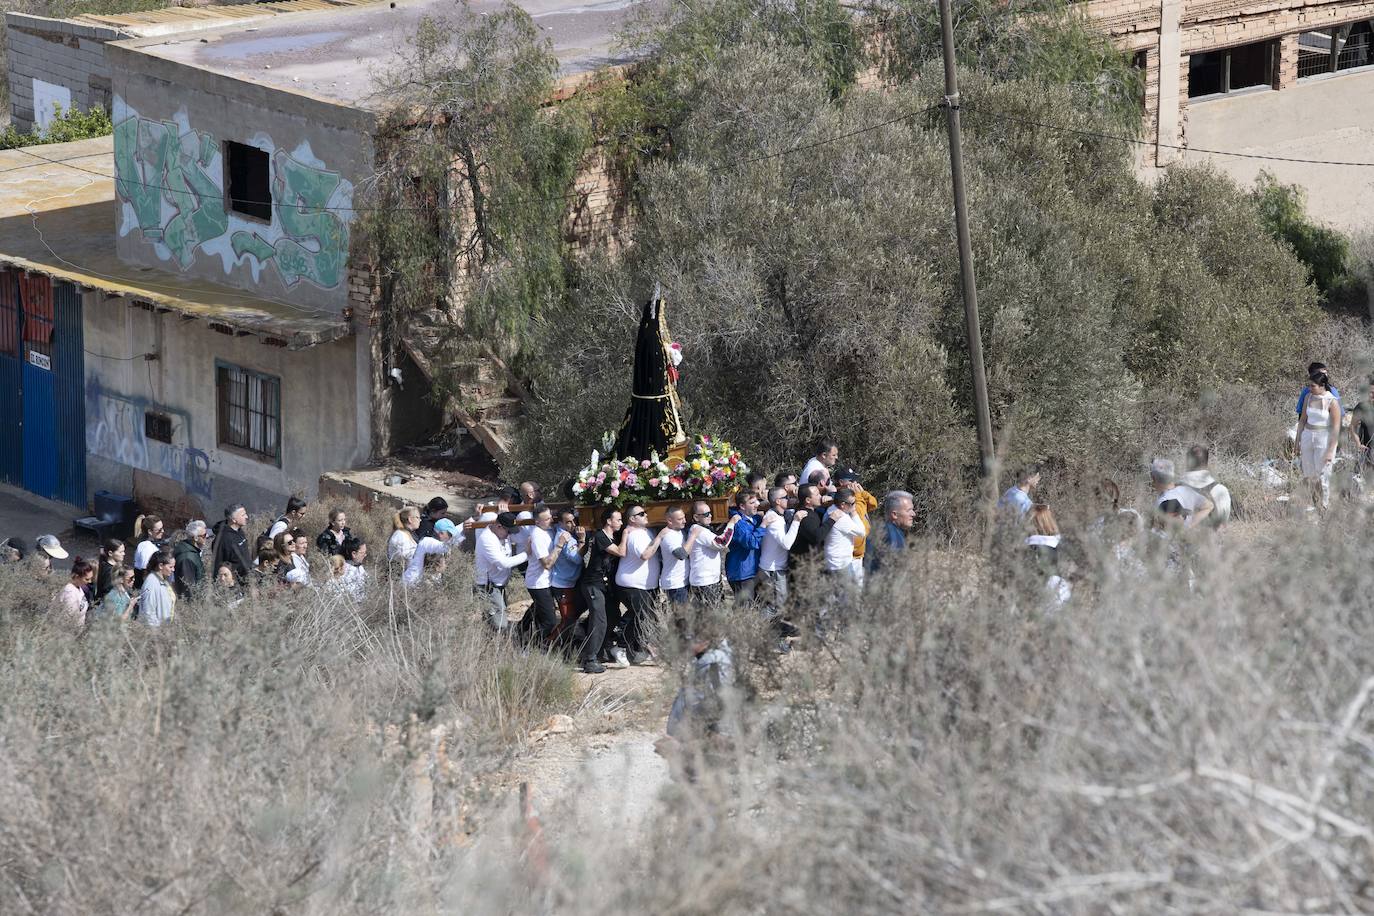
x: 958, y: 747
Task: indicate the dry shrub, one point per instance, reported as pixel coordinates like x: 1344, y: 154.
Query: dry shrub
x: 277, y: 754
x: 956, y: 744
x: 961, y: 747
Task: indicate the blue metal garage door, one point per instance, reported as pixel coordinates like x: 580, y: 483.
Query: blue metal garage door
x: 42, y: 380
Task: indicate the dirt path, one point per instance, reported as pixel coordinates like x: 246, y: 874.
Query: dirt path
x: 598, y: 765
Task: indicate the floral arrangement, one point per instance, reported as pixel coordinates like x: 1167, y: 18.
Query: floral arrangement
x: 711, y: 468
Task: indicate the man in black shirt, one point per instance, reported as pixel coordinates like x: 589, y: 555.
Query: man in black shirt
x: 435, y: 509
x: 810, y: 536
x: 231, y: 543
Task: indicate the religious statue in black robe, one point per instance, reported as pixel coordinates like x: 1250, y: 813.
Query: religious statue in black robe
x: 653, y: 422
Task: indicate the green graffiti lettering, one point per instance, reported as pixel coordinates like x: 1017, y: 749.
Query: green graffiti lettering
x: 297, y: 188
x: 129, y: 182
x: 251, y: 243
x: 163, y: 175
x: 154, y: 163
x: 200, y: 213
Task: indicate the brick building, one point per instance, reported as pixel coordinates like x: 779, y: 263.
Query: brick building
x: 1289, y: 79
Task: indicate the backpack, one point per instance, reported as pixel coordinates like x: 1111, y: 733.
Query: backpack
x: 1219, y: 515
x: 279, y: 518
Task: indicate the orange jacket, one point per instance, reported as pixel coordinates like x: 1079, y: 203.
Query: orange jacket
x: 864, y: 503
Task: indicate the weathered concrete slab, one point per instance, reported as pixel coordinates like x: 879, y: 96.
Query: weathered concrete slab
x: 337, y: 55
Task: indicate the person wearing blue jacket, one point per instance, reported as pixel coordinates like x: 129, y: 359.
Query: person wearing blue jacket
x: 742, y: 562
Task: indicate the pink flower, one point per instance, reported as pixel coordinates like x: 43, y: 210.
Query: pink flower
x: 653, y: 481
x: 615, y: 489
x: 601, y: 478
x: 644, y: 463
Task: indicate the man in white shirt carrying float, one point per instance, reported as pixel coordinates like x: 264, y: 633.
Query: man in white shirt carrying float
x: 705, y: 566
x: 543, y: 551
x: 779, y: 536
x: 494, y: 563
x: 637, y: 576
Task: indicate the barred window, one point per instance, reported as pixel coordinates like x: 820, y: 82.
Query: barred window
x: 249, y: 411
x: 1342, y: 47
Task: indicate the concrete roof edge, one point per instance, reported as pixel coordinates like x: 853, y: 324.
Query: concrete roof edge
x: 75, y: 26
x: 132, y: 55
x: 292, y: 340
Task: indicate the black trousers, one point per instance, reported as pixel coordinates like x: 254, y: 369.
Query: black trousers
x: 640, y: 618
x: 594, y: 597
x: 543, y: 613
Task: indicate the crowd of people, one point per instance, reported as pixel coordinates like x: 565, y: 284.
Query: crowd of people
x: 597, y: 582
x: 601, y: 578
x: 147, y: 584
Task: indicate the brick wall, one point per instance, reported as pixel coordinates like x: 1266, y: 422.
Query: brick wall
x: 68, y: 54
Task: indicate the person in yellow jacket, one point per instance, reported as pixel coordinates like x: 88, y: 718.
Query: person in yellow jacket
x: 864, y: 503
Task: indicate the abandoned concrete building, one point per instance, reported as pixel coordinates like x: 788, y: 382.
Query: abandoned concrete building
x: 1288, y: 79
x: 182, y: 308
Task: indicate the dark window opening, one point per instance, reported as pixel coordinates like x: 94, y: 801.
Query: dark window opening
x: 1206, y: 74
x: 1231, y: 69
x: 1342, y: 47
x: 157, y: 426
x: 248, y: 408
x: 248, y: 180
x: 1250, y: 66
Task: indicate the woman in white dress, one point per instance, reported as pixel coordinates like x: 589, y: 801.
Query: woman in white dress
x: 1319, y: 427
x: 401, y: 546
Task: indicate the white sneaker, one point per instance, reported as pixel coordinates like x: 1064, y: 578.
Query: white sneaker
x: 621, y: 659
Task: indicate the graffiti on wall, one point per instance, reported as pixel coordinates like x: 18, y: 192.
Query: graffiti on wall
x: 115, y: 430
x: 170, y: 180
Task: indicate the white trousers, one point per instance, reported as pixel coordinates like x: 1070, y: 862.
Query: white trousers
x: 1315, y: 467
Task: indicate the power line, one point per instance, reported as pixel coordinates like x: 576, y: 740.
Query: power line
x: 819, y: 143
x: 33, y: 220
x: 118, y: 359
x: 311, y: 208
x: 973, y: 107
x: 577, y: 192
x: 33, y: 214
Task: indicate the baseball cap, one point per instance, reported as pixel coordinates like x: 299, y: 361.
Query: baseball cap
x: 49, y: 544
x: 506, y: 520
x: 446, y: 526
x: 847, y: 474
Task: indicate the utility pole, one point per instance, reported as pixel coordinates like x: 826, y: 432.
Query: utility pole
x: 966, y: 277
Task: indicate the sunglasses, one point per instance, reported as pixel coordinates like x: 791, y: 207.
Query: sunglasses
x: 702, y: 514
x: 638, y: 514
